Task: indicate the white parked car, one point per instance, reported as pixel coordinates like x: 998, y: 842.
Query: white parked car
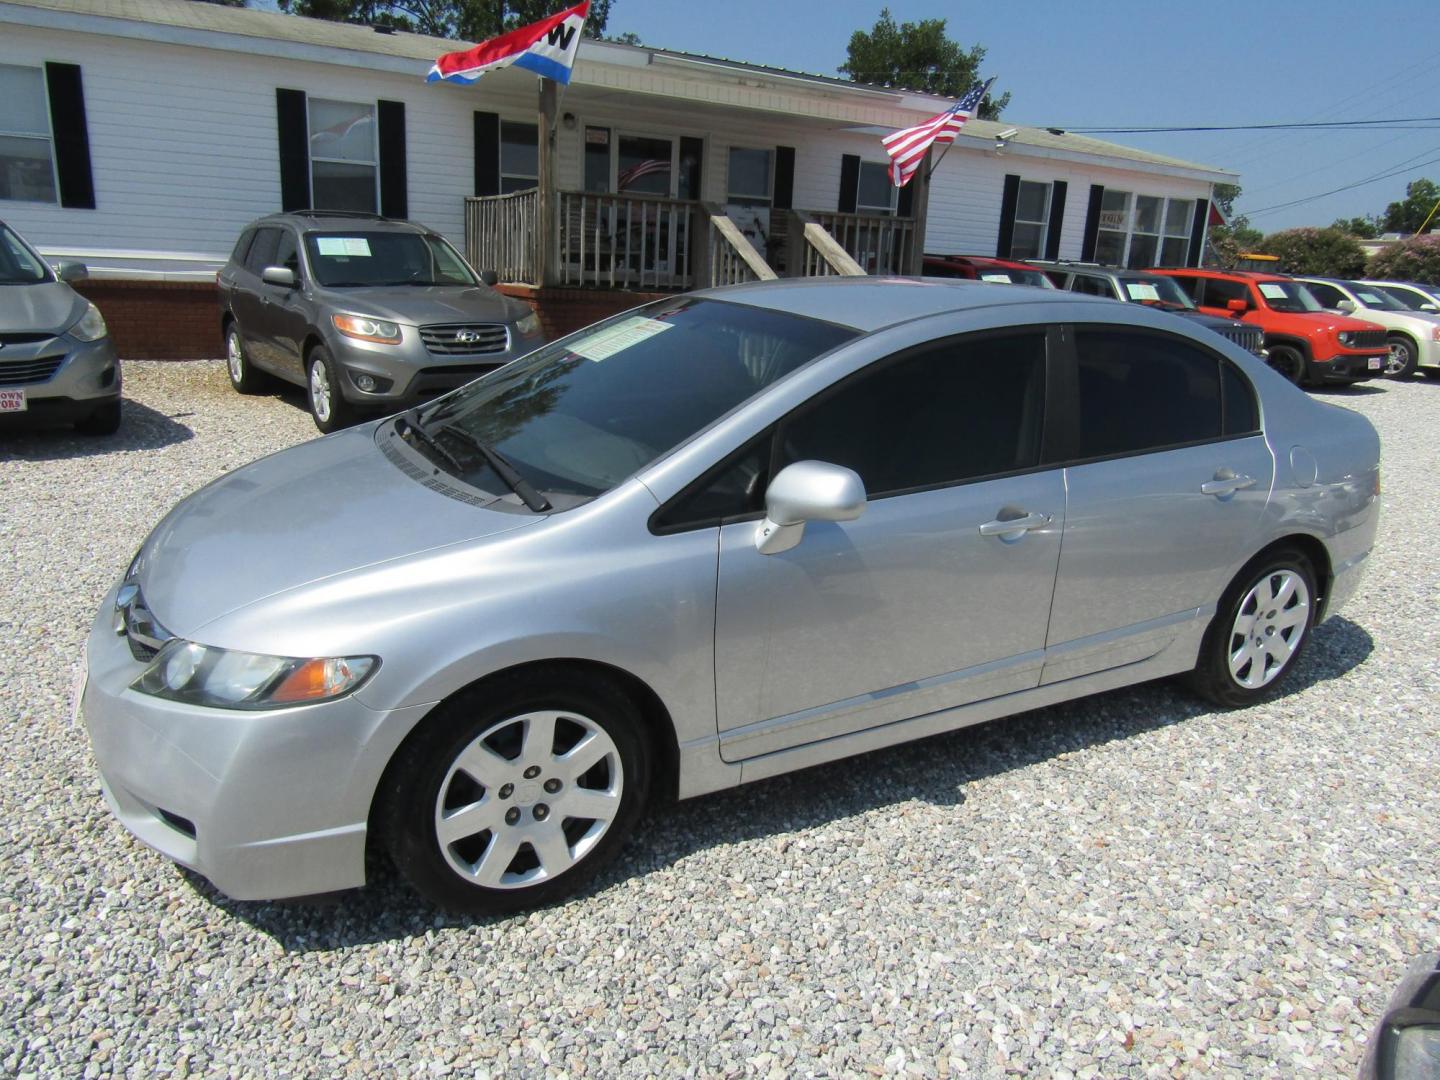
x: 1413, y: 336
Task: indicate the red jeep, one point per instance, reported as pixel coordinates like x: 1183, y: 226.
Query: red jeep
x: 985, y: 268
x: 1307, y: 344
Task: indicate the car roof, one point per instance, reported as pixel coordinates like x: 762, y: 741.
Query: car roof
x: 1244, y: 275
x: 332, y: 220
x: 871, y: 303
x: 980, y: 260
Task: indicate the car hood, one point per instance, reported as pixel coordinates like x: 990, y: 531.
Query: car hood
x: 302, y: 515
x: 420, y: 305
x: 51, y: 307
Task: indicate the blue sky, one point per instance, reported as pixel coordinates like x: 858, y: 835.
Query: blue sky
x: 1087, y: 63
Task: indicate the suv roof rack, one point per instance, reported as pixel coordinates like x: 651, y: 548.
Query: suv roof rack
x: 339, y: 213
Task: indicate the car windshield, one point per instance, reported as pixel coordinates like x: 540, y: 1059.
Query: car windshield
x: 18, y: 264
x: 1289, y: 296
x: 1157, y: 292
x: 353, y: 259
x: 1408, y: 298
x: 1009, y: 275
x: 1373, y: 298
x: 580, y: 415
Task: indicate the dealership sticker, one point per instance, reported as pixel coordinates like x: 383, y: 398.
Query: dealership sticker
x: 343, y: 245
x: 1271, y: 291
x: 604, y: 344
x: 1000, y: 279
x: 1142, y: 290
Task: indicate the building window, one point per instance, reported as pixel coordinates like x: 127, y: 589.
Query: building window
x: 749, y: 181
x: 519, y: 157
x: 1032, y: 213
x: 344, y: 164
x: 1141, y: 231
x: 27, y: 159
x: 876, y: 194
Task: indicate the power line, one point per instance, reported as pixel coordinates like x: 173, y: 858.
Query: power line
x: 1393, y: 172
x: 1373, y: 125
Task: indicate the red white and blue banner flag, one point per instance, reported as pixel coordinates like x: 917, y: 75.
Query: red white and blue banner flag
x: 547, y: 48
x: 907, y: 147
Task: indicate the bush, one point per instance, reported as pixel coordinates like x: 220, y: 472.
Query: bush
x: 1409, y: 260
x: 1320, y: 252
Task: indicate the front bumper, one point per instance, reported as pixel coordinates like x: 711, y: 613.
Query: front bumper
x: 408, y: 373
x: 86, y: 377
x: 264, y: 804
x: 1350, y: 367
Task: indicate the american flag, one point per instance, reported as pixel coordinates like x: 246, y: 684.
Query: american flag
x: 907, y: 147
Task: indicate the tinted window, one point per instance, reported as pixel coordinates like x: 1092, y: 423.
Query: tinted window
x: 1141, y: 391
x: 262, y: 251
x: 1218, y: 293
x: 1328, y: 295
x: 734, y: 489
x: 1092, y: 286
x: 958, y: 410
x: 1412, y: 300
x: 286, y: 253
x: 242, y: 246
x: 1241, y: 415
x: 360, y: 258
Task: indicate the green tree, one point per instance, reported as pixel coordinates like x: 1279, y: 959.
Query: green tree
x: 462, y: 20
x: 1407, y: 216
x: 1228, y: 241
x: 1366, y: 227
x: 1327, y: 252
x: 1416, y: 259
x: 917, y: 56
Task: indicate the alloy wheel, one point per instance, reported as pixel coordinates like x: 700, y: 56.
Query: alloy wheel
x: 320, y: 391
x: 528, y: 799
x: 1398, y: 362
x: 235, y: 357
x: 1268, y: 628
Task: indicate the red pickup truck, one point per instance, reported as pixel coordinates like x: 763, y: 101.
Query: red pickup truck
x: 1307, y: 344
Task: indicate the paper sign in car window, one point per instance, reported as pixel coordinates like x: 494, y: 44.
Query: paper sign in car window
x: 343, y: 245
x: 1003, y: 279
x: 1141, y: 290
x: 604, y: 344
x: 1370, y: 299
x: 1271, y: 291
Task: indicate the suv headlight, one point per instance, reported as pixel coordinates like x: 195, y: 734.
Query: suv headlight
x: 530, y: 325
x: 90, y: 326
x: 1347, y: 338
x: 364, y: 328
x: 224, y: 679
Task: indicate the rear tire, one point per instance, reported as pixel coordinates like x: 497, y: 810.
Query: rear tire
x: 103, y: 421
x: 1261, y: 627
x: 1289, y: 362
x: 243, y: 376
x: 1400, y: 364
x: 536, y: 779
x: 328, y: 407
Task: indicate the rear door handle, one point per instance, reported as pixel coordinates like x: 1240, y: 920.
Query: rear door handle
x: 1006, y: 528
x: 1226, y: 483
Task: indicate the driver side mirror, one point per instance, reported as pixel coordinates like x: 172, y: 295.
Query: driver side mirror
x: 68, y: 271
x: 1429, y: 307
x: 282, y: 276
x: 1347, y: 306
x: 807, y: 491
x: 1238, y: 306
x: 489, y: 277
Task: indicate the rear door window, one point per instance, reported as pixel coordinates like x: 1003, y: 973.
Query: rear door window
x: 1218, y: 292
x: 262, y: 250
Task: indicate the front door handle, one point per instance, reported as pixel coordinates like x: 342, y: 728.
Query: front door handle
x: 1012, y: 528
x: 1226, y: 482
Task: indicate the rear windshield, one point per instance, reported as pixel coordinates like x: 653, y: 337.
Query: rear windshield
x: 353, y: 259
x: 582, y: 414
x: 1288, y: 296
x: 18, y: 264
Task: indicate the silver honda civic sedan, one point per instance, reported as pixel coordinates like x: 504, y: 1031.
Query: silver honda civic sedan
x: 728, y: 535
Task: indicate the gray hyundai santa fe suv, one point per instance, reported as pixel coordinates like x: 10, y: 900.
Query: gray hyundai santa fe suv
x: 369, y: 314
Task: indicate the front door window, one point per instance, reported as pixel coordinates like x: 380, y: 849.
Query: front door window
x: 645, y: 165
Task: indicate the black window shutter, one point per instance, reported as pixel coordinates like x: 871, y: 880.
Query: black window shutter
x: 905, y: 204
x: 692, y: 158
x: 1092, y: 223
x: 72, y: 136
x: 487, y: 153
x: 849, y: 183
x: 1057, y: 219
x: 294, y: 149
x: 394, y: 197
x: 1008, y: 202
x: 1197, y: 232
x: 784, y: 197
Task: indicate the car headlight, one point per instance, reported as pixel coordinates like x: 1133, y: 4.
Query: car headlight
x: 1347, y: 338
x: 364, y: 328
x: 530, y: 325
x: 90, y: 326
x: 224, y: 679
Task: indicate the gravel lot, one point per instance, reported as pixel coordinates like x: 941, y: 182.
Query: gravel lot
x: 1129, y: 885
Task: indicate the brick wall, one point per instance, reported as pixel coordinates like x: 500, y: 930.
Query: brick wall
x: 159, y: 320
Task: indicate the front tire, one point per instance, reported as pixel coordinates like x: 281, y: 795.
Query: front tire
x: 1260, y: 629
x: 1289, y: 362
x: 1400, y: 364
x: 328, y: 407
x: 243, y: 376
x: 516, y: 792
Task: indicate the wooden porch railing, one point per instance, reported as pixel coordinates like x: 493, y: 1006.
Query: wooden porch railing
x: 502, y: 234
x: 820, y: 254
x: 732, y: 258
x: 624, y: 241
x: 879, y: 243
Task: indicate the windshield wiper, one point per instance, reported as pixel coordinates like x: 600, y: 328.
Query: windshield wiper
x: 518, y: 484
x: 411, y: 428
